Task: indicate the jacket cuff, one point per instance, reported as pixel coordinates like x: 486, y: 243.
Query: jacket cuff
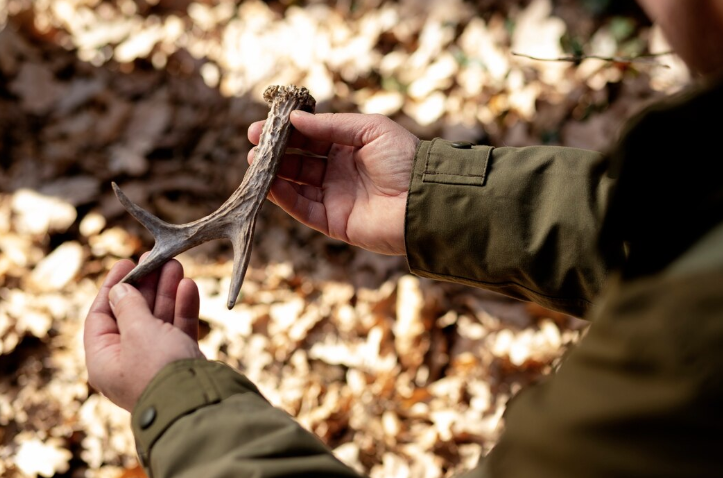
x: 177, y: 390
x: 436, y: 200
x: 517, y: 221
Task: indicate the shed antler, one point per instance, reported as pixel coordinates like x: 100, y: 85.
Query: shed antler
x: 236, y: 218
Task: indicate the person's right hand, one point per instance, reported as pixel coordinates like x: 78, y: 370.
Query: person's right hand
x: 357, y: 191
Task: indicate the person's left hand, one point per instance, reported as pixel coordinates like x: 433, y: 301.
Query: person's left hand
x: 131, y: 334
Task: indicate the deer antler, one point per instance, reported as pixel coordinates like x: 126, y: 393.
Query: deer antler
x: 236, y: 218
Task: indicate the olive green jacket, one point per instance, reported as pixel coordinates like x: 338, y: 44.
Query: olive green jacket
x: 638, y: 232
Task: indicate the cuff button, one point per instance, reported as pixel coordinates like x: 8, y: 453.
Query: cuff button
x: 462, y: 145
x: 147, y: 417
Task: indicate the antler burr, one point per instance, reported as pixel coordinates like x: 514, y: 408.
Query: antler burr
x: 236, y: 218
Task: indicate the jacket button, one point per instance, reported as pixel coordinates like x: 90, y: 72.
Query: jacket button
x: 147, y: 417
x: 462, y: 145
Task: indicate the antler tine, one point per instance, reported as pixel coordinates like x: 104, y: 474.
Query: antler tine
x: 236, y: 218
x: 157, y: 228
x: 241, y: 255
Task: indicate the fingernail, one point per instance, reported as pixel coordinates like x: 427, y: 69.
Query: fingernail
x: 301, y: 113
x: 117, y: 292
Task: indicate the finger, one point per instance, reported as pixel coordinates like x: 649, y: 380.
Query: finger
x: 254, y: 131
x: 129, y: 306
x: 351, y: 129
x: 299, y: 169
x: 298, y: 201
x: 188, y: 305
x: 296, y: 140
x: 165, y: 300
x: 303, y: 169
x: 100, y: 320
x: 313, y: 194
x: 148, y: 284
x: 116, y: 274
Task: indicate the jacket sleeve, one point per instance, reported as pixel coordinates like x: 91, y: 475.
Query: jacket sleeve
x: 201, y: 418
x: 523, y: 222
x: 639, y: 396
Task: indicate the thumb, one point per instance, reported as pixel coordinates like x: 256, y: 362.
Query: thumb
x: 128, y: 306
x: 351, y: 129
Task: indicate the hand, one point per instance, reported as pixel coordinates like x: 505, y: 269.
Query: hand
x: 131, y: 334
x: 358, y: 191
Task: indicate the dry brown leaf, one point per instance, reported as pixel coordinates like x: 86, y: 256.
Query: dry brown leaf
x: 44, y: 458
x: 37, y: 87
x: 409, y: 328
x: 57, y: 269
x: 39, y: 214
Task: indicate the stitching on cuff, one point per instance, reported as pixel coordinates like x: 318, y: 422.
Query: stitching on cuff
x: 210, y: 391
x: 429, y: 154
x: 457, y: 175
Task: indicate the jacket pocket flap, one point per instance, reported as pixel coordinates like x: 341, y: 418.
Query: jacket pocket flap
x: 449, y: 163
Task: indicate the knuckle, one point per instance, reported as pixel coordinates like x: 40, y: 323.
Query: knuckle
x: 372, y: 129
x: 120, y: 306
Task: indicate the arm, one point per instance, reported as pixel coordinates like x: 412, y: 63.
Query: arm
x: 212, y: 421
x: 647, y: 374
x: 520, y: 221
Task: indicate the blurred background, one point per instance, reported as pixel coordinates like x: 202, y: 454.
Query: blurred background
x: 401, y: 377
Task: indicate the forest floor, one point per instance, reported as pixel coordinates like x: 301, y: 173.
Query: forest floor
x: 402, y: 377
